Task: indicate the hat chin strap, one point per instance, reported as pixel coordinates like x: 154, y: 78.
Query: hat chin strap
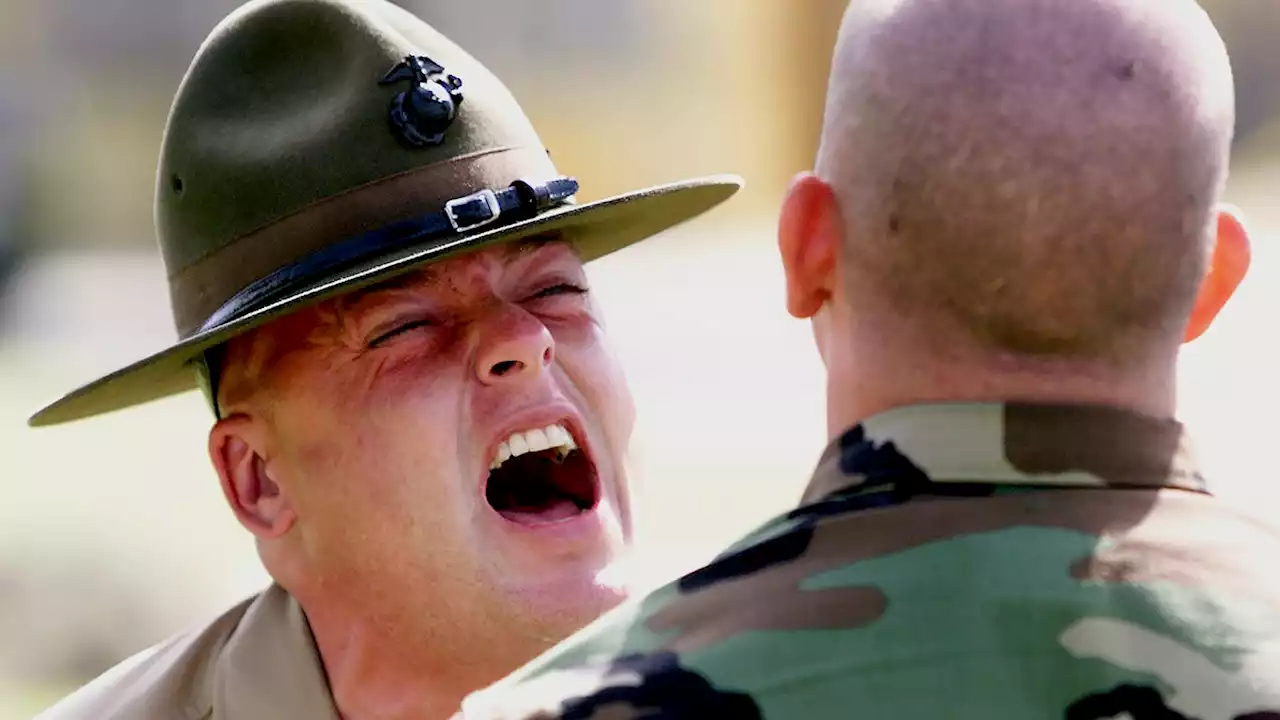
x: 206, y: 370
x: 486, y: 208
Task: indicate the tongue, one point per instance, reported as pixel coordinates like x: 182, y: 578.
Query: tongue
x: 545, y: 513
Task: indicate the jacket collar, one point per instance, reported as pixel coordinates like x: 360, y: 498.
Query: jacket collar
x: 270, y: 667
x: 1013, y: 444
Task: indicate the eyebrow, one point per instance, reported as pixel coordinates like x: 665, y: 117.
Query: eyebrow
x: 403, y: 281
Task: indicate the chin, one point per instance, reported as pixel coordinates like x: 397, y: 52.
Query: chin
x: 558, y: 622
x: 574, y: 594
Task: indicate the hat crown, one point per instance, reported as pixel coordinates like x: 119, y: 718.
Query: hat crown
x: 287, y: 106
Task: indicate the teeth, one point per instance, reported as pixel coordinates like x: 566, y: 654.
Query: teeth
x: 537, y: 440
x: 558, y: 436
x: 552, y: 436
x: 519, y: 445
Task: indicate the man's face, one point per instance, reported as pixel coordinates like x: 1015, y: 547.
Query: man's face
x: 454, y: 438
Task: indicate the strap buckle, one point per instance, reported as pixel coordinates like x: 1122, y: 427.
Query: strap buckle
x: 473, y: 211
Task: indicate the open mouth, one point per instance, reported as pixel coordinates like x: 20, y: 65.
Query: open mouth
x: 540, y: 477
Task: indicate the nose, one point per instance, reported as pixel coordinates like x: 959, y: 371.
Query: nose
x: 514, y: 347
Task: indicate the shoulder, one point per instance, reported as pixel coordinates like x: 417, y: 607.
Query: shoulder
x: 167, y: 681
x: 668, y: 654
x: 109, y: 694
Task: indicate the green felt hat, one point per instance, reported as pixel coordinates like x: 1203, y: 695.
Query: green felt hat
x: 317, y: 146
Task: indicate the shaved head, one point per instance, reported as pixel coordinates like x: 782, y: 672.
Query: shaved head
x: 1040, y: 175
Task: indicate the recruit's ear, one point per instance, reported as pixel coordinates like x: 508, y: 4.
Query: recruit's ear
x: 1226, y: 269
x: 810, y: 231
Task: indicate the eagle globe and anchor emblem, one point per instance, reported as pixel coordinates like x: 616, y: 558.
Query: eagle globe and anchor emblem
x: 421, y: 114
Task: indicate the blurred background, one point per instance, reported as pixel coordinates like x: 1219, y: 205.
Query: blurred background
x: 113, y: 533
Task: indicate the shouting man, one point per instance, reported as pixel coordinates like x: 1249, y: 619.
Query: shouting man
x: 377, y: 276
x: 1012, y: 228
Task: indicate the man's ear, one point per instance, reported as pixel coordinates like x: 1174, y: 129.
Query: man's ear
x: 810, y: 230
x: 239, y: 455
x: 1226, y: 270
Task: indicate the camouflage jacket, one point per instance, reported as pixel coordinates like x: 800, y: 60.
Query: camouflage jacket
x: 964, y: 561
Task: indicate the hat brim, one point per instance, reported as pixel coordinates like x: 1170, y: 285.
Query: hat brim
x: 596, y: 229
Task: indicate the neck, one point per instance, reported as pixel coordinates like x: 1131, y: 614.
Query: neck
x: 869, y: 375
x: 395, y: 667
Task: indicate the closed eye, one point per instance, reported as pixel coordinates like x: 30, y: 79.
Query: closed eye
x: 560, y: 289
x: 399, y: 330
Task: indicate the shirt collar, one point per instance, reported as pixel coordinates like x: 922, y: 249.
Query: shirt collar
x: 270, y: 667
x: 1010, y: 444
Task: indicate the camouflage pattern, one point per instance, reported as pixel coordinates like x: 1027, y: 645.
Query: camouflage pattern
x: 960, y: 561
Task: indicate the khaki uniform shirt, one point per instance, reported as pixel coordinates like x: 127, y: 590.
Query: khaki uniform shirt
x: 966, y: 561
x: 257, y: 661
